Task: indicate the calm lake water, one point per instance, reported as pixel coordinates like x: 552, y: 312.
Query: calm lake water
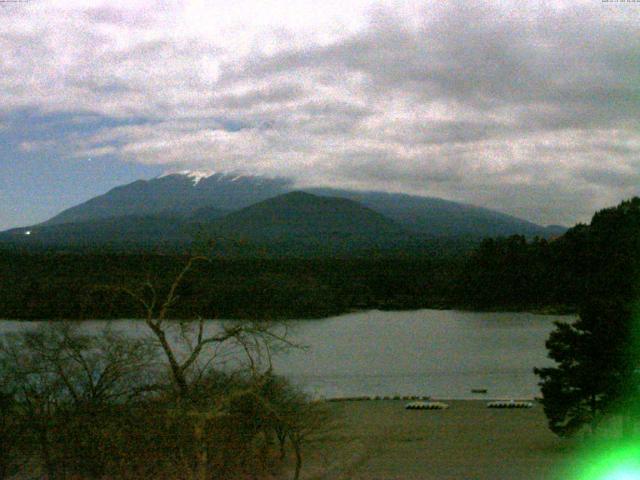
x: 442, y: 353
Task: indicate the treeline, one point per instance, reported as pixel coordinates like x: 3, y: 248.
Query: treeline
x: 499, y: 274
x: 516, y: 274
x: 563, y: 274
x: 90, y: 285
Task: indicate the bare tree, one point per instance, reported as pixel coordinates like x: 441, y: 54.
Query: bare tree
x: 193, y: 349
x: 64, y: 379
x: 295, y: 417
x: 255, y: 339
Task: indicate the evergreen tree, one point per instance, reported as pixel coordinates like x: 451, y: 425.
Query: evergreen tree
x: 598, y: 354
x: 595, y: 362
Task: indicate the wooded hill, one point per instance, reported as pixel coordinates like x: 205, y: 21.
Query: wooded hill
x: 510, y: 273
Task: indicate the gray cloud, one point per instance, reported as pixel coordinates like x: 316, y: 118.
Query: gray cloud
x: 611, y: 178
x: 271, y: 94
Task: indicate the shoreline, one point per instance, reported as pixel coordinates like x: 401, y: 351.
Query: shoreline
x: 405, y: 398
x: 542, y: 311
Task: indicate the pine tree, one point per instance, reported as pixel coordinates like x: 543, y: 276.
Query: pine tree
x: 595, y: 363
x: 598, y: 355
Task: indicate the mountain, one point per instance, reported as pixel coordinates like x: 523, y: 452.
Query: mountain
x: 178, y: 194
x: 291, y: 223
x: 204, y: 194
x: 302, y: 218
x: 175, y: 208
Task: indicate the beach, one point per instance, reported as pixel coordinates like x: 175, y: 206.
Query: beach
x: 380, y: 439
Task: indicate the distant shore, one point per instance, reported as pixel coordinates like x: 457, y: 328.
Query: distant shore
x: 549, y: 310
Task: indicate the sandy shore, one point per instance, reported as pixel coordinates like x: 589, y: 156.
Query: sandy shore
x: 381, y: 440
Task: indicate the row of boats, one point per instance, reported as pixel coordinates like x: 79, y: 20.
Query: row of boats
x: 428, y: 405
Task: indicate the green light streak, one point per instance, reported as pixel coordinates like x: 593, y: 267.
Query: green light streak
x: 608, y: 459
x: 614, y: 462
x: 624, y: 474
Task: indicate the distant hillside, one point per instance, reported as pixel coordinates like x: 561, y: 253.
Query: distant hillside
x: 121, y: 232
x: 442, y: 218
x: 303, y: 218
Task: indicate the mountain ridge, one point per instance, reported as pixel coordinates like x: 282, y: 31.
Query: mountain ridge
x: 184, y: 193
x: 176, y: 207
x: 297, y: 223
x: 176, y: 193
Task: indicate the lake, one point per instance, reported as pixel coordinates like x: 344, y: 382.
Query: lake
x: 441, y: 353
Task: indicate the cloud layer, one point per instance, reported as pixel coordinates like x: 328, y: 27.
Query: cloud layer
x: 528, y: 108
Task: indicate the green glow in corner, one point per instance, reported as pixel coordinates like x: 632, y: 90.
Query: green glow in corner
x: 620, y: 462
x: 623, y: 474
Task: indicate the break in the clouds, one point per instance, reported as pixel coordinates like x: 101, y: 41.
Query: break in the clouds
x: 531, y: 108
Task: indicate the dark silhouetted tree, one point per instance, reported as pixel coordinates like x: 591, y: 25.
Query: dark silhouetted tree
x: 598, y: 355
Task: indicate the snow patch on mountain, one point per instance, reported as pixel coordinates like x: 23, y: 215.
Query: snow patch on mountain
x: 196, y: 175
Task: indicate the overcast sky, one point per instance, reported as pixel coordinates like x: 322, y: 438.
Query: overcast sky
x: 531, y: 108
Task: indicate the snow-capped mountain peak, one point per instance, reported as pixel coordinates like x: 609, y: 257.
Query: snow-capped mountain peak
x: 195, y: 175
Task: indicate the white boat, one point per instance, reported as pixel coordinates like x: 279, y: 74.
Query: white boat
x: 426, y: 406
x: 509, y: 404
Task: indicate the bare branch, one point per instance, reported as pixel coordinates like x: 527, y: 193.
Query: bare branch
x: 171, y: 296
